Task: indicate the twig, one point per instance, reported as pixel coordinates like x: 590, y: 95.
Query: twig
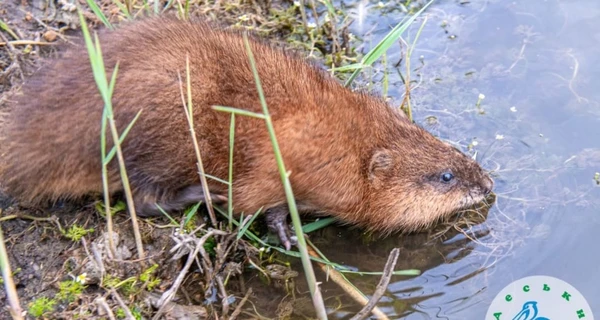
x: 350, y: 290
x: 224, y: 302
x: 28, y: 217
x: 101, y: 302
x: 381, y: 287
x: 11, y: 292
x: 208, y: 266
x: 168, y: 295
x: 129, y: 315
x: 14, y: 57
x: 188, y: 108
x: 406, y: 101
x: 238, y: 309
x: 27, y: 42
x: 98, y: 258
x: 304, y: 19
x: 41, y: 23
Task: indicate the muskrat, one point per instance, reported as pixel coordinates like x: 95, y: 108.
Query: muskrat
x: 350, y: 154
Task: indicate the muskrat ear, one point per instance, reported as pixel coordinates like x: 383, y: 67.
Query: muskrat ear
x: 380, y: 163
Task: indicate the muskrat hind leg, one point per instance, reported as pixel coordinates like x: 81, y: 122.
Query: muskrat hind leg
x: 182, y: 199
x: 276, y: 218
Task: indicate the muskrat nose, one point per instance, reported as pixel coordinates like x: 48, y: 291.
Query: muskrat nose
x: 487, y: 185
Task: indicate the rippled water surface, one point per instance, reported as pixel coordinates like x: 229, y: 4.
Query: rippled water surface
x: 538, y: 65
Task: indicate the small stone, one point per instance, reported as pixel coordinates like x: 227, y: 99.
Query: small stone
x: 50, y: 35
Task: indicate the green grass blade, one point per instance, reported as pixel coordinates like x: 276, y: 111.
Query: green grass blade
x: 93, y: 56
x: 190, y: 214
x: 187, y: 10
x: 173, y: 221
x: 216, y: 179
x: 410, y: 50
x: 386, y: 81
x: 248, y: 224
x: 387, y: 42
x: 240, y: 112
x: 251, y: 236
x: 408, y: 272
x: 100, y: 74
x: 313, y: 226
x: 87, y: 37
x: 330, y: 7
x: 113, y: 80
x: 392, y: 37
x: 113, y: 150
x: 156, y: 11
x: 8, y: 30
x: 92, y: 4
x: 350, y: 67
x: 97, y: 63
x: 352, y: 77
x: 230, y: 173
x: 123, y: 8
x: 103, y: 143
x: 301, y: 245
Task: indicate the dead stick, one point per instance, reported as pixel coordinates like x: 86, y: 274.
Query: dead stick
x: 224, y: 302
x: 381, y: 287
x: 27, y: 42
x: 101, y: 303
x: 128, y: 314
x: 188, y: 109
x: 350, y: 290
x: 168, y: 295
x: 238, y: 309
x: 14, y: 307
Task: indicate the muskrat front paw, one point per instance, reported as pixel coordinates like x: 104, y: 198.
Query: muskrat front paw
x: 277, y: 222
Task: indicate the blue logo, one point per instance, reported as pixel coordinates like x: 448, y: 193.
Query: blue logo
x: 539, y: 298
x: 529, y: 312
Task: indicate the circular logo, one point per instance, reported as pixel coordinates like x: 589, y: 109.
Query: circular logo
x: 539, y: 298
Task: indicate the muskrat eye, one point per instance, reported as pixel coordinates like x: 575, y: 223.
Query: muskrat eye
x: 447, y: 177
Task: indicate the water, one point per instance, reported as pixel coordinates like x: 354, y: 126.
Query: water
x: 538, y: 65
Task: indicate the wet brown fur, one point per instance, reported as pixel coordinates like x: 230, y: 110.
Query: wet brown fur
x: 350, y: 155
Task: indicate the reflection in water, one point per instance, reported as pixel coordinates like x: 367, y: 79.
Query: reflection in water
x: 537, y: 130
x: 445, y: 245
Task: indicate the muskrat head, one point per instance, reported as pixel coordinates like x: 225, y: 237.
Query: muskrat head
x: 417, y: 182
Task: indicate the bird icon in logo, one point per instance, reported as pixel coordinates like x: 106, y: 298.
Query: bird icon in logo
x: 529, y: 312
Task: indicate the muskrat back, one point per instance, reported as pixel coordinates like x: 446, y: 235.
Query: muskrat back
x: 350, y: 154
